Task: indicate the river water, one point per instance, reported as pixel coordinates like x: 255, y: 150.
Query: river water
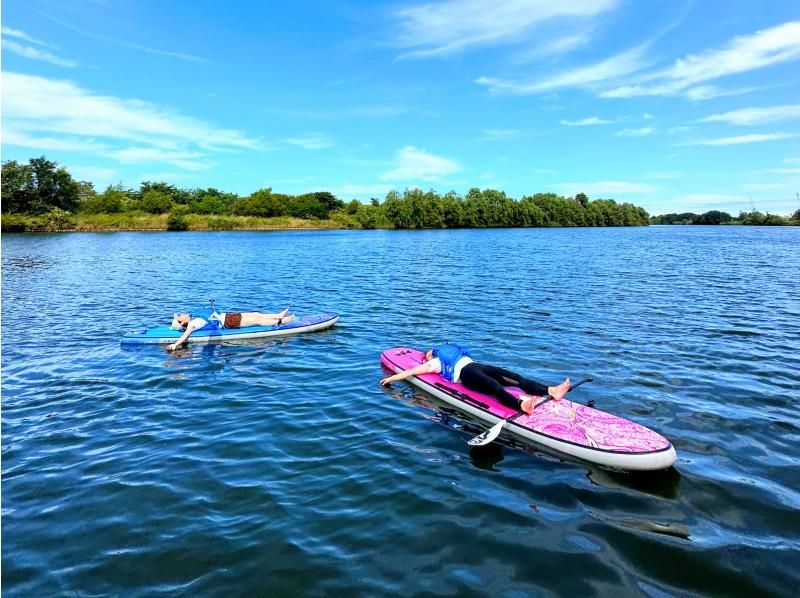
x: 281, y: 467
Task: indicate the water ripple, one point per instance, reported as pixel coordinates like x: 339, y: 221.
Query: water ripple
x: 282, y: 465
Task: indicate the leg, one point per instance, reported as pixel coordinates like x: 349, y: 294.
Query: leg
x: 254, y: 318
x: 475, y: 378
x: 509, y: 378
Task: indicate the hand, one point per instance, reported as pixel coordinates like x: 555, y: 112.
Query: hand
x: 171, y: 347
x: 386, y: 381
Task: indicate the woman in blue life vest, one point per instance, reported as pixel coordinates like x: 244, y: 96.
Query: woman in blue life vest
x: 455, y: 364
x: 214, y: 320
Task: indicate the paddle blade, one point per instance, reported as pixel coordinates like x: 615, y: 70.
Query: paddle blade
x: 489, y: 435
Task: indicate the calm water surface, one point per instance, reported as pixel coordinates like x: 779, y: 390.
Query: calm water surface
x: 281, y: 467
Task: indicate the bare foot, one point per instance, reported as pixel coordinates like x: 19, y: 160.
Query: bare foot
x: 558, y: 392
x: 289, y: 318
x: 528, y: 404
x: 284, y: 312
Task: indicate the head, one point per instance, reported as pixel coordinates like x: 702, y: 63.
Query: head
x: 428, y: 356
x: 180, y: 321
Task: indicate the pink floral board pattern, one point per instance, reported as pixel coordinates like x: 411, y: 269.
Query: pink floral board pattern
x: 561, y: 424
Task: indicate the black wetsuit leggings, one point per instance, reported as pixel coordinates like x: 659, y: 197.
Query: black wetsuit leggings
x: 491, y: 380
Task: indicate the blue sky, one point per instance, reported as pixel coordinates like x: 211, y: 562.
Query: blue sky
x: 673, y: 105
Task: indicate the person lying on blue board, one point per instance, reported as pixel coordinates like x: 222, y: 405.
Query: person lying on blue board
x: 216, y: 320
x: 455, y: 364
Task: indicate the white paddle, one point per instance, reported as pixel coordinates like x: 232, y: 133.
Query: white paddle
x: 489, y: 435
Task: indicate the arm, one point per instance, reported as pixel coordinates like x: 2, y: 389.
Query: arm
x: 423, y: 368
x: 182, y: 339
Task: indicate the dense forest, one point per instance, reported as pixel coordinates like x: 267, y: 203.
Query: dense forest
x: 40, y: 195
x: 716, y: 217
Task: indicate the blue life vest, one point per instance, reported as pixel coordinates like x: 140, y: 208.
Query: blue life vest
x: 449, y: 354
x: 206, y: 315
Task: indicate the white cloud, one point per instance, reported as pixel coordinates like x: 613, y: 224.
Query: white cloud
x: 9, y: 32
x: 500, y: 134
x: 756, y: 116
x: 598, y: 188
x: 413, y: 164
x: 560, y: 45
x: 740, y: 139
x: 785, y: 170
x: 37, y: 54
x: 745, y: 53
x: 679, y: 129
x: 643, y: 132
x: 124, y: 44
x: 606, y: 70
x: 443, y: 28
x: 62, y: 115
x: 702, y: 93
x: 792, y: 160
x: 67, y: 144
x: 313, y: 141
x: 592, y: 120
x: 647, y: 116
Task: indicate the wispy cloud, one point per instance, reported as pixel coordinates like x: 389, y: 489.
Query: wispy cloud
x: 597, y: 188
x: 44, y: 143
x: 792, y: 160
x: 559, y: 45
x: 314, y: 141
x: 678, y: 129
x: 123, y: 43
x: 643, y: 132
x: 742, y: 54
x: 127, y: 130
x: 756, y: 116
x: 592, y: 120
x: 441, y: 28
x: 604, y: 71
x: 785, y: 170
x: 501, y: 134
x: 37, y: 54
x: 740, y: 139
x: 414, y: 164
x: 9, y: 32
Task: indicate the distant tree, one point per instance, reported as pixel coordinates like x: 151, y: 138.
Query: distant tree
x: 712, y: 217
x: 155, y: 202
x: 111, y: 201
x: 175, y: 195
x: 262, y: 203
x: 38, y: 187
x: 582, y: 199
x: 352, y: 207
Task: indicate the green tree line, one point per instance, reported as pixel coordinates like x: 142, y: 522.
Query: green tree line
x: 44, y: 189
x: 716, y: 217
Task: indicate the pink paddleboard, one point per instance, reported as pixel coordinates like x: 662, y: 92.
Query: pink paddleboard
x: 564, y: 426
